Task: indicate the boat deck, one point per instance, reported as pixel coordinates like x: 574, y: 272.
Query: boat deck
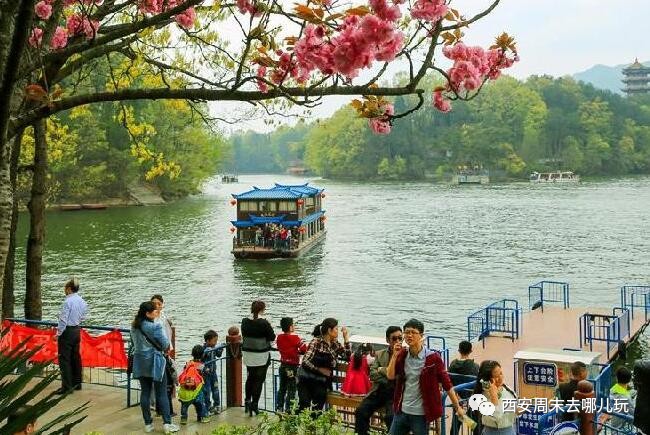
x: 259, y: 252
x: 555, y: 328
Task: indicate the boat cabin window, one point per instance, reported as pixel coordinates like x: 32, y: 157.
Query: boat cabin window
x: 309, y: 201
x: 248, y: 206
x: 287, y: 206
x: 267, y: 206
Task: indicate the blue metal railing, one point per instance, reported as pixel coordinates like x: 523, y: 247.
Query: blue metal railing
x: 101, y: 376
x: 503, y: 316
x: 604, y: 382
x: 456, y: 427
x: 548, y: 292
x: 546, y: 422
x: 636, y: 296
x: 605, y: 327
x: 439, y: 344
x: 615, y: 424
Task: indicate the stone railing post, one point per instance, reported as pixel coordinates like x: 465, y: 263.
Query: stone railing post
x: 233, y: 368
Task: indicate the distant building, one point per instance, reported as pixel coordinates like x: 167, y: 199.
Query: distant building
x: 637, y: 79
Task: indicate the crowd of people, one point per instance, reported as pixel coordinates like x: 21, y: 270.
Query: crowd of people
x: 275, y: 236
x: 403, y: 382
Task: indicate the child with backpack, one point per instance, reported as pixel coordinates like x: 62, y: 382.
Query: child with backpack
x: 211, y: 351
x: 190, y: 391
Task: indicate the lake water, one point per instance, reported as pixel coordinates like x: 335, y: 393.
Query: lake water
x: 392, y: 252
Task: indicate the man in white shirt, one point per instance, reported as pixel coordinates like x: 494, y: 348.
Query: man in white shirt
x: 68, y: 333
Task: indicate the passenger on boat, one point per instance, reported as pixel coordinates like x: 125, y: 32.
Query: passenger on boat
x: 258, y: 237
x: 566, y: 390
x: 490, y: 384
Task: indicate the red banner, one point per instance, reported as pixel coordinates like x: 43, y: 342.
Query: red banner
x: 106, y: 350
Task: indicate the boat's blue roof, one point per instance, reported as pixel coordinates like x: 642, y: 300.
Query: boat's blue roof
x: 280, y: 191
x: 254, y: 220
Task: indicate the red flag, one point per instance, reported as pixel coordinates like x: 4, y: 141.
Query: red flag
x: 106, y: 350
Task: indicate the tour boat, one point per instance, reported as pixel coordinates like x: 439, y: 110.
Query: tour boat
x: 554, y: 177
x: 297, y: 208
x: 229, y: 178
x: 472, y: 176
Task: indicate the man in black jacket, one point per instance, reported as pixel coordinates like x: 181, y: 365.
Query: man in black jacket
x: 642, y: 385
x: 566, y: 390
x: 380, y: 396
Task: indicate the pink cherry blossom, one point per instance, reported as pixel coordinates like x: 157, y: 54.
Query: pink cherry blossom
x: 378, y: 126
x: 186, y: 18
x: 387, y: 51
x: 429, y: 10
x: 440, y: 103
x: 43, y: 10
x: 355, y: 45
x: 36, y: 37
x: 59, y: 39
x: 76, y: 25
x: 247, y: 6
x: 261, y: 85
x: 381, y: 124
x: 473, y: 65
x: 385, y: 12
x: 151, y: 6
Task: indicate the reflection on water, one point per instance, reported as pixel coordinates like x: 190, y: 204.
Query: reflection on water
x: 393, y: 251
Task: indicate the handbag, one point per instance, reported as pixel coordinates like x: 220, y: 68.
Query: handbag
x: 129, y: 358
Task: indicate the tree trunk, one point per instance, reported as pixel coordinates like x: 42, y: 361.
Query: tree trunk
x: 8, y: 299
x: 36, y: 207
x: 15, y: 24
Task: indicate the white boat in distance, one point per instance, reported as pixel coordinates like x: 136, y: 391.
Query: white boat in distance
x: 554, y: 177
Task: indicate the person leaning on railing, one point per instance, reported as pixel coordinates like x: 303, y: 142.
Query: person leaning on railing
x: 381, y: 395
x: 68, y: 334
x: 150, y: 344
x: 490, y: 384
x: 257, y: 336
x: 318, y: 365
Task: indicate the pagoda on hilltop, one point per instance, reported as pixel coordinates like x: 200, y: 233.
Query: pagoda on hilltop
x: 637, y: 79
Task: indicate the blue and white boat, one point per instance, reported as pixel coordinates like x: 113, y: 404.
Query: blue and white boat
x: 281, y: 221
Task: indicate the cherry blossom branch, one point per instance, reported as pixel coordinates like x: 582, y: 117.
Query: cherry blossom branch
x: 474, y: 19
x: 198, y: 94
x: 420, y: 103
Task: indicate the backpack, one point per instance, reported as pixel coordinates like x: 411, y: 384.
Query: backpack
x: 190, y: 378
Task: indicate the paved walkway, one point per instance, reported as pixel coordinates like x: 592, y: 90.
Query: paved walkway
x: 108, y: 416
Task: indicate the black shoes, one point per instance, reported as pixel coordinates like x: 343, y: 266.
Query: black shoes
x: 68, y: 391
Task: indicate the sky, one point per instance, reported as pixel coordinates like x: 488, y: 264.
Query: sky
x: 555, y: 37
